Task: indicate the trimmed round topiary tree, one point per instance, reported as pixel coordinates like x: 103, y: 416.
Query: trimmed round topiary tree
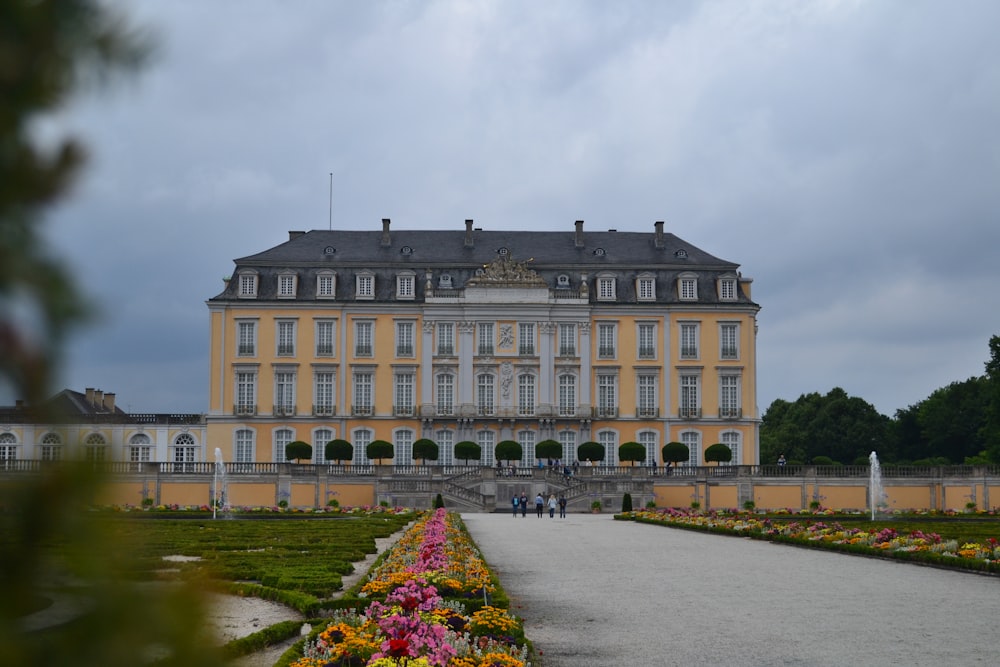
x: 425, y: 450
x: 718, y: 453
x: 548, y: 449
x: 378, y: 450
x: 631, y: 451
x: 339, y: 450
x: 468, y: 451
x: 509, y: 450
x: 590, y: 451
x: 627, y: 502
x: 676, y: 452
x: 298, y: 450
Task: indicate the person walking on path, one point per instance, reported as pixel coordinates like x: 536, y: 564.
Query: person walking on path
x: 552, y: 505
x: 562, y: 506
x: 523, y: 501
x: 514, y: 502
x: 539, y: 505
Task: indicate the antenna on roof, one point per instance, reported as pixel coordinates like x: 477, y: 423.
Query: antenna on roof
x: 331, y: 201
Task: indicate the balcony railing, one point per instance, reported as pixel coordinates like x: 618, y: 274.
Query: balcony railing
x: 567, y: 351
x: 526, y: 350
x: 362, y: 350
x: 402, y: 410
x: 246, y: 350
x: 404, y: 350
x: 647, y: 413
x: 486, y: 411
x: 689, y: 353
x: 730, y: 413
x: 248, y: 410
x: 445, y: 410
x: 286, y: 350
x: 284, y: 411
x: 324, y: 350
x: 606, y: 352
x: 689, y: 413
x: 647, y: 352
x: 446, y: 350
x: 605, y: 412
x: 485, y: 350
x: 324, y: 411
x: 361, y: 410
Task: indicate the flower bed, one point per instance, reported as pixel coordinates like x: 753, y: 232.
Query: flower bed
x: 411, y: 623
x: 916, y: 546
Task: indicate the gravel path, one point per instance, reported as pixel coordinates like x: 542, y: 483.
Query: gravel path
x: 595, y: 592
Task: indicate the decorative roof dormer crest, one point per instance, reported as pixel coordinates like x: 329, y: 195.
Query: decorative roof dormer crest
x: 506, y: 272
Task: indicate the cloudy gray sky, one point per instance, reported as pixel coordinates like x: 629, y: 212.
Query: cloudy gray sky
x: 845, y: 153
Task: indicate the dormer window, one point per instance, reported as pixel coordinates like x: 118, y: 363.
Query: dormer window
x: 444, y: 282
x: 248, y: 286
x: 606, y: 288
x: 404, y: 286
x: 365, y: 286
x: 645, y: 288
x: 503, y: 252
x: 681, y: 254
x: 286, y: 286
x: 562, y: 281
x: 727, y: 289
x: 326, y: 285
x: 687, y: 287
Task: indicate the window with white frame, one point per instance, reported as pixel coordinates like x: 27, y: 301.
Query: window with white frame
x: 646, y: 394
x: 605, y: 288
x: 243, y: 446
x: 362, y: 399
x: 52, y: 447
x: 728, y: 340
x: 567, y: 395
x: 282, y: 437
x: 403, y: 447
x: 689, y: 399
x: 485, y: 394
x: 526, y: 338
x: 610, y: 441
x: 606, y: 335
x: 363, y: 338
x: 326, y: 285
x: 286, y: 338
x: 402, y: 400
x: 8, y: 447
x: 567, y: 339
x: 246, y: 392
x: 446, y: 447
x: 646, y: 334
x: 727, y: 289
x: 731, y: 439
x: 185, y: 449
x: 284, y: 392
x: 320, y: 437
x: 568, y: 441
x: 486, y: 337
x: 286, y: 286
x: 687, y: 288
x: 404, y: 286
x: 689, y: 340
x: 361, y: 438
x: 248, y: 285
x: 693, y: 441
x: 445, y: 394
x: 95, y: 448
x: 445, y: 338
x: 729, y: 396
x: 365, y: 286
x: 645, y: 288
x: 404, y: 339
x: 527, y: 442
x: 325, y: 332
x: 648, y: 440
x: 526, y: 395
x: 324, y: 382
x: 607, y: 395
x: 487, y: 441
x: 140, y: 448
x: 246, y: 338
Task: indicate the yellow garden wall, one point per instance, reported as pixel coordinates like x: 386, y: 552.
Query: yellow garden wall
x: 178, y: 493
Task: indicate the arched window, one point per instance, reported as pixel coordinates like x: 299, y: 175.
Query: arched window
x: 648, y: 440
x: 185, y: 450
x: 282, y: 437
x: 51, y: 447
x: 95, y: 447
x: 360, y: 439
x: 731, y: 439
x: 487, y: 443
x: 8, y: 447
x: 403, y: 447
x: 321, y: 436
x: 139, y: 448
x: 568, y: 440
x: 693, y: 441
x: 243, y: 446
x: 609, y: 439
x: 446, y: 447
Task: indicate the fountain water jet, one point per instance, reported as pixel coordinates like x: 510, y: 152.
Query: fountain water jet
x: 219, y: 483
x: 875, y: 491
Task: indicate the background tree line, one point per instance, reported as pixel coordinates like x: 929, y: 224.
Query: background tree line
x: 957, y: 424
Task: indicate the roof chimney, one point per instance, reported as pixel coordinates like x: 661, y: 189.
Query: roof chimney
x: 109, y: 402
x: 98, y: 399
x: 294, y: 235
x: 89, y: 393
x: 385, y: 232
x: 659, y: 233
x: 468, y: 234
x: 579, y: 234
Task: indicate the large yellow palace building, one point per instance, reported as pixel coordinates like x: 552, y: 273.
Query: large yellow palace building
x: 484, y: 336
